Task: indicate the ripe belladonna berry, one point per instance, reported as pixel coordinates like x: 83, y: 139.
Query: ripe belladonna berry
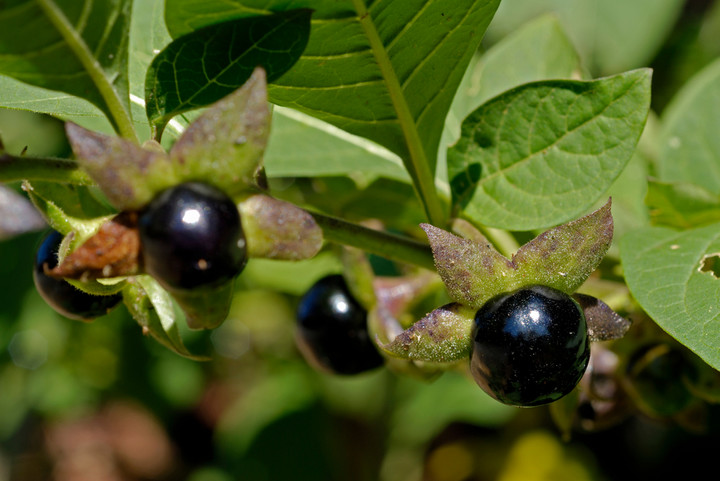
x: 191, y: 236
x: 62, y: 296
x: 332, y: 329
x: 531, y: 346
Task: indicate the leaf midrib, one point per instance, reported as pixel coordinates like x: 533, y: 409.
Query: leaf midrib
x: 417, y: 162
x: 77, y: 45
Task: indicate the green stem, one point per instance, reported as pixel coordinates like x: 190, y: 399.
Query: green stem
x: 383, y: 244
x: 14, y: 168
x: 417, y: 164
x: 120, y: 114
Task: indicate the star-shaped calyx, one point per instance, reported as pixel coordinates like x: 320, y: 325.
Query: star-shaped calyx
x: 474, y: 272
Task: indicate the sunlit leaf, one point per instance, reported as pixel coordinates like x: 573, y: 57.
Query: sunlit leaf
x: 546, y: 151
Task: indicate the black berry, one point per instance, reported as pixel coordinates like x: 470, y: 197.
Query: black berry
x: 62, y: 296
x: 530, y: 346
x: 332, y: 329
x: 191, y: 236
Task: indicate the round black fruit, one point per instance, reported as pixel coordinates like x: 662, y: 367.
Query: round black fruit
x: 332, y: 329
x: 191, y: 236
x: 62, y: 296
x: 530, y: 346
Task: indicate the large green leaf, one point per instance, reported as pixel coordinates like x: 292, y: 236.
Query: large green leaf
x: 670, y: 273
x: 204, y: 66
x: 383, y: 70
x: 539, y: 50
x: 545, y: 152
x: 73, y: 46
x: 612, y: 35
x: 690, y: 145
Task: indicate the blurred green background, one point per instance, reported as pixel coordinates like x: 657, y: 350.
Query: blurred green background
x: 101, y: 402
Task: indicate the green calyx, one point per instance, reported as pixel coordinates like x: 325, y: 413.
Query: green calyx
x: 474, y: 272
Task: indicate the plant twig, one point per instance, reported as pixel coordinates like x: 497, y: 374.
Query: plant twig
x: 13, y: 168
x: 384, y: 244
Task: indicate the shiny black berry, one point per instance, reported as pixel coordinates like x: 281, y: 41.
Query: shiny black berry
x: 530, y: 346
x: 62, y: 296
x: 191, y: 236
x: 332, y: 329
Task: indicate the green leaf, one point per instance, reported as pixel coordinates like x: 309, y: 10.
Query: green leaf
x: 611, y: 35
x: 387, y: 72
x: 539, y: 50
x: 689, y: 144
x: 682, y: 205
x: 204, y: 66
x: 303, y: 146
x: 77, y: 47
x: 544, y: 152
x: 670, y: 273
x: 152, y: 308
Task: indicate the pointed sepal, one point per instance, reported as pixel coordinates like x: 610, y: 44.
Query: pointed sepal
x: 442, y: 336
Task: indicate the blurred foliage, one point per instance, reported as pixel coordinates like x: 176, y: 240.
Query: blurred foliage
x: 101, y: 402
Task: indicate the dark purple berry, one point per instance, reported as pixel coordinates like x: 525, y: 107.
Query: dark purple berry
x: 332, y: 329
x: 62, y: 296
x: 191, y: 236
x: 530, y: 346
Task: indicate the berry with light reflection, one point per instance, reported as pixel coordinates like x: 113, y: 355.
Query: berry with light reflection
x: 332, y: 329
x: 191, y: 237
x: 62, y: 296
x: 531, y: 346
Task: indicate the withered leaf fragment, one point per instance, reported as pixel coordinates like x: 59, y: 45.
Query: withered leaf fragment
x: 112, y: 252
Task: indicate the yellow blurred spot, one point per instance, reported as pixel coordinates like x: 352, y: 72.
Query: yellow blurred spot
x: 451, y: 462
x: 539, y: 456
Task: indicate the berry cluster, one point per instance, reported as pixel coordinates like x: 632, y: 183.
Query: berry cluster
x: 191, y: 237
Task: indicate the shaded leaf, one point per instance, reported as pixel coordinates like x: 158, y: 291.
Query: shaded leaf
x: 77, y: 47
x: 667, y: 273
x: 204, y: 66
x: 303, y: 146
x: 681, y: 204
x: 612, y: 35
x: 689, y: 144
x: 546, y: 151
x: 152, y: 308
